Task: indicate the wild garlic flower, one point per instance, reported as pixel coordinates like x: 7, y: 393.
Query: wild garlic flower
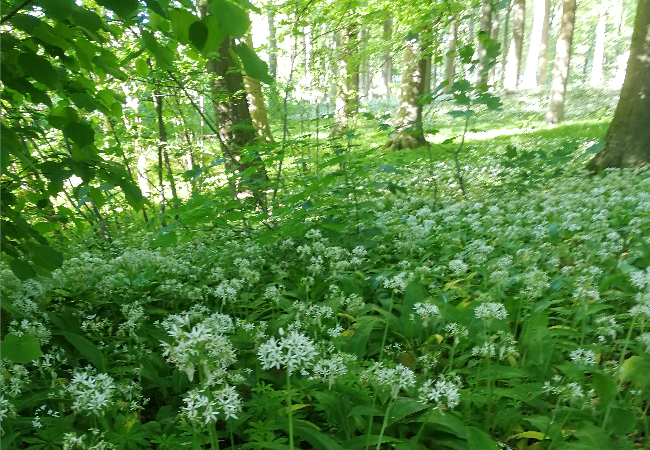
x: 443, y: 392
x: 490, y: 311
x: 91, y: 392
x: 585, y: 357
x: 425, y: 311
x: 294, y: 351
x: 328, y: 370
x: 643, y: 305
x: 641, y: 279
x: 457, y: 266
x: 398, y: 282
x: 457, y: 331
x: 501, y: 344
x: 203, y: 406
x: 204, y: 346
x: 399, y: 378
x: 644, y: 339
x: 572, y: 393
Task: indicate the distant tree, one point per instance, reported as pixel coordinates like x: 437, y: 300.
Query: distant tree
x: 451, y: 54
x: 529, y: 79
x: 256, y: 104
x: 347, y: 95
x: 555, y: 112
x: 409, y: 115
x: 387, y: 64
x: 627, y: 142
x: 486, y: 27
x: 543, y: 48
x: 514, y: 53
x: 596, y: 78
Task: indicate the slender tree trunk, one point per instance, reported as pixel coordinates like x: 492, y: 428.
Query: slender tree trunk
x: 426, y: 87
x: 543, y: 48
x: 596, y: 79
x: 496, y: 21
x: 627, y: 142
x: 162, y: 147
x: 506, y: 41
x: 486, y: 27
x: 256, y: 104
x: 514, y: 53
x: 273, y: 42
x: 555, y: 112
x: 387, y: 65
x: 162, y: 142
x: 366, y: 76
x: 529, y: 80
x: 347, y: 97
x: 451, y: 54
x: 409, y: 133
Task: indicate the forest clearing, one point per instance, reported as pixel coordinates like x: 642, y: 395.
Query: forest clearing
x: 325, y: 225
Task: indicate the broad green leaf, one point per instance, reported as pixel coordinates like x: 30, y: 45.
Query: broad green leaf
x: 253, y: 65
x: 403, y: 407
x: 361, y: 441
x: 159, y: 9
x: 198, y: 34
x: 605, y: 387
x: 84, y: 101
x: 479, y: 439
x: 231, y: 18
x: 160, y: 54
x: 318, y: 439
x: 21, y: 349
x: 89, y: 350
x: 46, y: 257
x: 123, y: 8
x: 86, y: 18
x: 141, y: 67
x: 21, y: 268
x: 447, y: 422
x: 97, y: 196
x: 164, y: 240
x: 57, y: 9
x: 181, y: 21
x: 38, y: 68
x: 81, y: 133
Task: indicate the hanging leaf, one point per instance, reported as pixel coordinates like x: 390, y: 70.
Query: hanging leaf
x: 123, y: 8
x: 181, y: 21
x: 21, y: 268
x: 81, y: 133
x: 38, y: 68
x: 477, y: 438
x: 46, y: 257
x: 231, y: 18
x: 89, y: 350
x: 20, y: 349
x: 160, y: 54
x: 253, y: 65
x: 198, y: 34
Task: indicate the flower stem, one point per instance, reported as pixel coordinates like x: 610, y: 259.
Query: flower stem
x: 426, y: 419
x: 214, y: 439
x: 289, y: 409
x: 385, y: 422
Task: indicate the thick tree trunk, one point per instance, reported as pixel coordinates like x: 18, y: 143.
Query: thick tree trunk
x: 486, y: 27
x: 596, y: 78
x: 387, y: 65
x: 409, y: 132
x: 347, y: 96
x: 256, y: 104
x: 543, y: 48
x: 514, y: 53
x: 529, y: 80
x: 451, y: 54
x: 555, y: 112
x: 273, y: 42
x: 627, y: 142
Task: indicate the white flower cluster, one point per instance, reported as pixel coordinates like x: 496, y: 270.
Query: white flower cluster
x: 641, y: 279
x: 443, y: 392
x: 205, y: 346
x: 572, y: 393
x: 399, y: 378
x: 328, y: 370
x: 457, y: 266
x: 398, y: 282
x: 585, y: 357
x: 501, y: 343
x: 203, y: 406
x: 457, y: 331
x: 491, y: 310
x: 294, y: 351
x: 425, y: 311
x: 91, y: 392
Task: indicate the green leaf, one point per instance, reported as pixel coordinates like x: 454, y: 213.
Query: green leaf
x: 198, y: 34
x: 403, y: 407
x: 89, y: 350
x: 414, y: 293
x: 157, y: 8
x: 253, y: 65
x: 160, y: 54
x: 231, y: 18
x: 164, y: 240
x: 21, y: 349
x: 123, y: 8
x: 181, y: 21
x: 605, y: 387
x: 479, y: 439
x: 84, y: 101
x: 319, y: 440
x: 38, y: 68
x: 446, y: 422
x: 457, y: 113
x: 57, y: 9
x: 511, y: 151
x: 22, y: 269
x: 46, y: 257
x: 97, y: 196
x: 141, y: 67
x: 81, y: 133
x: 86, y: 18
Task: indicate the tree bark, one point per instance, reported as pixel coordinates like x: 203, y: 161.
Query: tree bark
x: 514, y: 53
x: 506, y: 41
x: 627, y: 142
x: 451, y: 54
x: 409, y: 133
x: 543, y: 48
x: 596, y: 78
x: 347, y: 96
x: 529, y: 80
x: 486, y: 27
x: 555, y: 112
x: 256, y: 104
x: 496, y: 22
x: 273, y: 42
x: 387, y: 65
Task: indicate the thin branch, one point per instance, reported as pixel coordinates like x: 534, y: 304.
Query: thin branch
x: 15, y: 11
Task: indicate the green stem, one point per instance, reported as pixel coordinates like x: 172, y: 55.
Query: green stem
x: 426, y: 419
x: 214, y: 439
x: 381, y: 353
x: 451, y: 358
x: 548, y: 427
x: 385, y: 423
x: 618, y: 369
x: 289, y: 410
x: 564, y: 421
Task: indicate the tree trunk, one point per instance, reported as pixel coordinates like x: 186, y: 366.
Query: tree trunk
x: 514, y: 53
x: 555, y: 112
x: 409, y: 132
x: 162, y: 142
x: 347, y: 96
x: 596, y: 79
x: 426, y: 88
x: 273, y: 42
x: 387, y: 65
x: 496, y: 21
x: 451, y: 54
x: 529, y: 80
x: 256, y: 104
x: 486, y: 27
x: 543, y: 48
x: 627, y: 142
x: 366, y: 75
x: 506, y: 41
